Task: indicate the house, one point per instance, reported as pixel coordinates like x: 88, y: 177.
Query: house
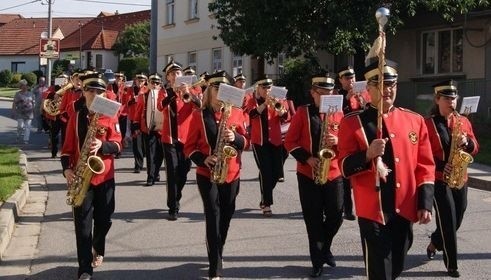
x: 19, y: 51
x: 92, y: 44
x: 6, y: 18
x: 185, y: 34
x: 429, y: 50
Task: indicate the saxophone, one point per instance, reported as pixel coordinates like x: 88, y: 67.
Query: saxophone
x: 222, y: 151
x: 457, y: 157
x: 325, y: 154
x: 87, y: 165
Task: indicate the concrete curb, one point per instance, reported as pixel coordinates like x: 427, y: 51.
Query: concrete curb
x: 9, y: 212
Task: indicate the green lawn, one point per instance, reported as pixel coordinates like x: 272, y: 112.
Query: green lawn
x: 8, y: 92
x: 10, y: 172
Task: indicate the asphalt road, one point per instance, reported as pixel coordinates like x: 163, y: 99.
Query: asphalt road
x: 142, y: 244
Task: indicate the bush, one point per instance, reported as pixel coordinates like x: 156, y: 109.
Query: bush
x: 60, y: 67
x: 5, y: 78
x: 133, y: 65
x: 30, y: 77
x: 38, y: 73
x: 16, y: 79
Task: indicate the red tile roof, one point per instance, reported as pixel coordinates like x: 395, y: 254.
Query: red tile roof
x: 21, y: 36
x: 6, y: 18
x: 101, y: 32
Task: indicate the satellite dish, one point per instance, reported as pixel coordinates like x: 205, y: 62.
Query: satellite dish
x: 44, y: 35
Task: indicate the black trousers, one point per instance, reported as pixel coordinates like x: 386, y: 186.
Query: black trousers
x: 137, y: 148
x: 348, y: 202
x: 219, y: 207
x: 54, y: 132
x: 177, y: 167
x: 385, y: 246
x: 450, y: 205
x: 154, y: 154
x: 122, y: 125
x: 269, y: 160
x: 322, y: 208
x: 97, y: 206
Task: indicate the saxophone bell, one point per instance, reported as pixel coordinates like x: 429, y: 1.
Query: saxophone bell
x: 327, y: 153
x: 95, y: 164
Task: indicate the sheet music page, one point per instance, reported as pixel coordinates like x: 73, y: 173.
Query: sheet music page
x: 128, y: 83
x: 359, y: 87
x: 188, y: 80
x: 331, y: 104
x: 105, y: 106
x: 278, y: 93
x: 231, y: 95
x: 469, y: 105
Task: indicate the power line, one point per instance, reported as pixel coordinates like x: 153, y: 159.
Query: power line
x: 114, y: 3
x: 20, y: 5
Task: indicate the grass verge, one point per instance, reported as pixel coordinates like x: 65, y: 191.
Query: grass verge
x: 8, y: 92
x: 10, y: 173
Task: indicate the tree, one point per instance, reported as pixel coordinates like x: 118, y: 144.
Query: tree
x: 265, y: 28
x: 134, y: 40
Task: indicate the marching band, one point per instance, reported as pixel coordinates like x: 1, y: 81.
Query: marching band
x: 398, y: 173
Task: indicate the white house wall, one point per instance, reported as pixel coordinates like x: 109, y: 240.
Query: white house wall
x: 31, y: 62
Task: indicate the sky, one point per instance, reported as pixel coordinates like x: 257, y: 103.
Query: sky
x: 71, y: 8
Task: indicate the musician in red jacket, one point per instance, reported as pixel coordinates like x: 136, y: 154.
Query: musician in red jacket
x: 201, y: 146
x: 322, y: 203
x: 132, y: 93
x: 387, y: 210
x: 445, y: 126
x: 265, y: 121
x: 149, y: 123
x: 176, y: 104
x: 99, y: 202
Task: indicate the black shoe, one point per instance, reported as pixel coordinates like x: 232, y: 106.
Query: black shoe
x: 172, y: 217
x: 136, y: 170
x: 454, y: 273
x: 281, y: 179
x: 349, y: 217
x: 157, y: 178
x: 316, y: 272
x: 431, y: 251
x: 330, y: 261
x: 53, y: 155
x: 149, y: 183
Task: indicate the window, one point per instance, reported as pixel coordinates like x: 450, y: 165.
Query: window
x: 17, y: 66
x: 442, y: 51
x: 217, y: 59
x: 281, y: 61
x: 98, y: 61
x: 236, y: 64
x: 193, y: 9
x: 192, y: 60
x: 170, y: 11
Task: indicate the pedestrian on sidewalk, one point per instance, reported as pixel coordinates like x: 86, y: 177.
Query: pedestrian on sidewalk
x: 92, y: 218
x: 23, y: 111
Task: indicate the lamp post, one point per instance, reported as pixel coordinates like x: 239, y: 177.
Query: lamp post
x: 80, y: 45
x: 50, y: 33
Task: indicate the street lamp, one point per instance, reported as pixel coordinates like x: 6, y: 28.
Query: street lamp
x: 80, y: 44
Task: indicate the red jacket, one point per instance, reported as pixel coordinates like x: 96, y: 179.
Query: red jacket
x: 183, y: 116
x: 274, y: 123
x: 107, y: 131
x: 440, y: 138
x: 299, y: 139
x: 412, y: 157
x: 131, y: 99
x: 202, y: 139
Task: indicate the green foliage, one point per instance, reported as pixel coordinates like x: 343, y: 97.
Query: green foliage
x: 38, y: 73
x: 297, y: 77
x: 59, y: 67
x: 266, y: 28
x: 133, y: 65
x: 16, y: 77
x: 30, y: 77
x: 134, y: 40
x: 10, y: 173
x: 5, y: 77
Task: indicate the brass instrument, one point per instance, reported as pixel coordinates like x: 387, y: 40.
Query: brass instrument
x: 52, y: 106
x: 457, y: 157
x: 186, y: 97
x: 276, y: 104
x: 222, y: 151
x: 87, y: 165
x: 325, y: 154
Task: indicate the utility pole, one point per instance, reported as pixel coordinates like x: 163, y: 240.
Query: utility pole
x: 50, y: 34
x: 153, y: 37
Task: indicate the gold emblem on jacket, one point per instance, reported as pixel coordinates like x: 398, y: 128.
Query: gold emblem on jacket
x: 413, y: 137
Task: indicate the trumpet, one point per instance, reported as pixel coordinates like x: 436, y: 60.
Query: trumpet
x: 276, y: 104
x: 186, y: 97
